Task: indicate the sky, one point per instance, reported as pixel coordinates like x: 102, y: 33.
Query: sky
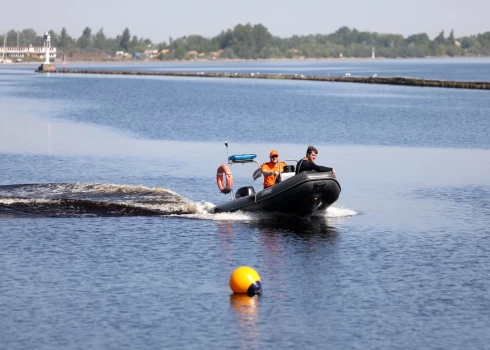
x: 158, y: 20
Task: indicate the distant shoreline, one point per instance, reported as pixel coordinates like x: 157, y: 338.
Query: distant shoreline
x: 334, y: 59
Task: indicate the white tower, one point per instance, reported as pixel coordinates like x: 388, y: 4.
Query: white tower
x: 373, y: 56
x: 47, y: 46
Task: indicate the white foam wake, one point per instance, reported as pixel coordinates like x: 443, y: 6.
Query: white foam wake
x: 204, y: 211
x: 342, y: 212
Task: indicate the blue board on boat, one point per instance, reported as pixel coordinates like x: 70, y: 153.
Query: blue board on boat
x: 242, y: 157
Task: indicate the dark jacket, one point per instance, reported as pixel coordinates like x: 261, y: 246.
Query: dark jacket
x: 304, y: 165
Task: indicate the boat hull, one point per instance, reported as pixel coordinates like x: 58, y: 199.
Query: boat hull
x: 301, y: 195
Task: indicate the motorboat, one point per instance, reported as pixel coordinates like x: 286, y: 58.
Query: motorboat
x: 303, y: 194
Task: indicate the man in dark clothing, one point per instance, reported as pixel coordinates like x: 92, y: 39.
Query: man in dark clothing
x: 307, y: 163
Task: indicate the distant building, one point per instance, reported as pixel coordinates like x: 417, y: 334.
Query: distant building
x: 27, y: 51
x: 150, y: 53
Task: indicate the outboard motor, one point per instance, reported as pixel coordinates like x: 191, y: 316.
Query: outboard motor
x: 244, y: 192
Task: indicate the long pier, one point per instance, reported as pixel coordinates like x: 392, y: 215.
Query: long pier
x: 344, y: 79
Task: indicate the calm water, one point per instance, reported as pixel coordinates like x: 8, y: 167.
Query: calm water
x: 106, y: 183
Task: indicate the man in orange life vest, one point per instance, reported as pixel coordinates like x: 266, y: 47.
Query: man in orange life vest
x: 272, y: 169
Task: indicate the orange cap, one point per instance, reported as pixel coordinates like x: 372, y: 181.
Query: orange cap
x: 274, y: 153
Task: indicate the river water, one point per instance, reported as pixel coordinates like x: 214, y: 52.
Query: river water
x: 106, y: 186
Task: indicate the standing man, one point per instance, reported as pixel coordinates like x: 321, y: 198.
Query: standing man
x: 272, y: 169
x: 307, y: 163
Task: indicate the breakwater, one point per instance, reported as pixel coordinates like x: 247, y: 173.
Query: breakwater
x: 344, y: 79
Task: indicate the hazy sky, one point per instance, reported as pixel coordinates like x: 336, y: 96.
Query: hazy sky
x: 160, y: 19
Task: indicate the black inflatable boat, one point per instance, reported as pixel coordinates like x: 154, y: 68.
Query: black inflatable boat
x: 301, y: 194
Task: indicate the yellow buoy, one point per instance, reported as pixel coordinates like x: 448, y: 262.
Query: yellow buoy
x: 245, y: 280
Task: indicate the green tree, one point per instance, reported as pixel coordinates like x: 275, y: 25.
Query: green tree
x: 65, y: 40
x: 11, y: 38
x: 55, y: 38
x: 365, y: 38
x: 261, y: 37
x: 418, y: 39
x: 179, y: 53
x: 197, y: 43
x: 450, y: 38
x: 134, y: 40
x: 341, y: 36
x: 100, y: 40
x: 467, y: 42
x: 85, y: 41
x: 224, y: 39
x: 434, y: 49
x: 124, y: 42
x: 243, y: 43
x: 26, y: 37
x: 484, y: 39
x: 440, y: 38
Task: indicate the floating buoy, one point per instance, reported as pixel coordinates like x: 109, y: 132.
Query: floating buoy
x: 245, y: 280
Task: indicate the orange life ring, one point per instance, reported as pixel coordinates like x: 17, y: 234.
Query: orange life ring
x: 224, y: 182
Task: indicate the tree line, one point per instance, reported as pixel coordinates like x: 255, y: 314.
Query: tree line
x: 256, y: 42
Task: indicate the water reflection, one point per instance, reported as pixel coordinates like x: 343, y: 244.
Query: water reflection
x: 313, y: 229
x: 245, y: 311
x: 293, y: 240
x: 277, y: 241
x: 225, y: 234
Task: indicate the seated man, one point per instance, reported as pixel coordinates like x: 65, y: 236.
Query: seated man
x: 272, y: 169
x: 307, y: 163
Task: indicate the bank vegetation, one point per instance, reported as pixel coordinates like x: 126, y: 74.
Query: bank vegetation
x: 256, y: 42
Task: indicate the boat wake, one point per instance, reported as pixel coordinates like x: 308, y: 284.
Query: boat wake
x: 90, y: 200
x: 204, y: 212
x: 67, y: 200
